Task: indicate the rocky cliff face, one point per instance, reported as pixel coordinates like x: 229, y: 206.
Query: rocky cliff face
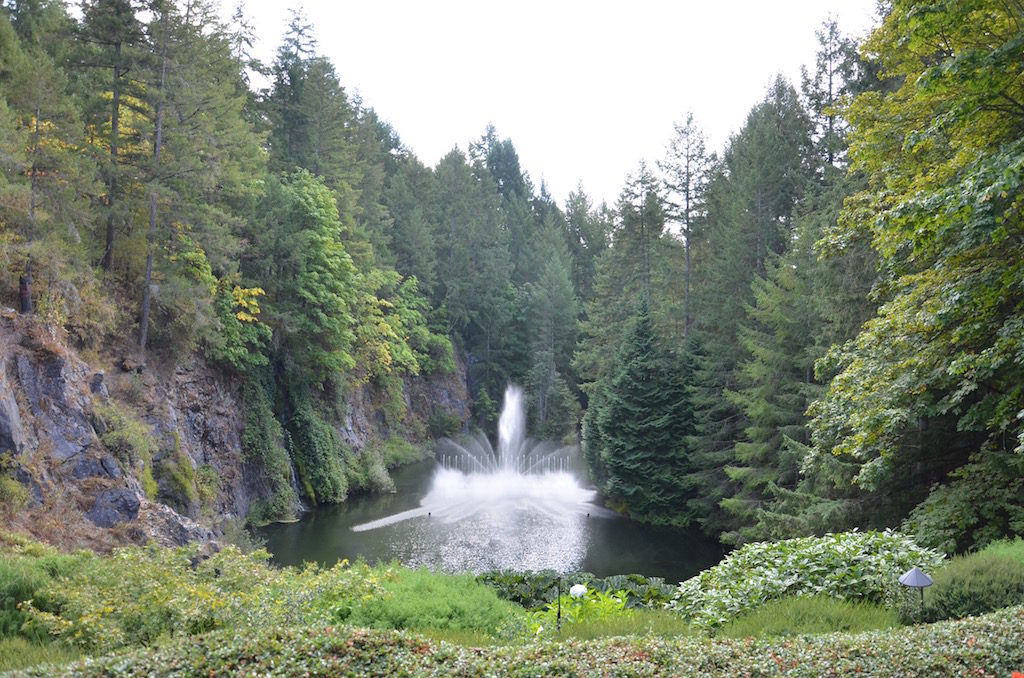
x: 125, y: 454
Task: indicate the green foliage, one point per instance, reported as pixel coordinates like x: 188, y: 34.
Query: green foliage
x: 130, y: 441
x: 1005, y: 547
x: 207, y: 486
x: 984, y: 645
x: 592, y: 606
x: 800, y: 615
x: 318, y: 455
x: 933, y: 382
x: 641, y: 424
x: 442, y: 424
x: 20, y: 653
x: 855, y: 566
x: 537, y: 589
x: 142, y: 595
x: 263, y: 446
x: 27, y: 570
x: 242, y: 338
x: 970, y: 585
x: 419, y: 599
x: 397, y: 452
x: 980, y: 502
x: 13, y: 495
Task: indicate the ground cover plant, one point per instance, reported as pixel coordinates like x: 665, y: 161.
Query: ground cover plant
x: 537, y: 589
x: 972, y: 584
x: 422, y: 600
x: 859, y: 566
x: 984, y: 646
x: 143, y: 595
x: 809, y: 614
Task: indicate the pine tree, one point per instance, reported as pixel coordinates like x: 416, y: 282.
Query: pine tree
x: 640, y: 425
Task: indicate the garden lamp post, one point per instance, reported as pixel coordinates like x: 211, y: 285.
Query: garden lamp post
x: 916, y: 579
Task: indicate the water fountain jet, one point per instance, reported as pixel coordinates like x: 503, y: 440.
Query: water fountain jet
x: 519, y: 476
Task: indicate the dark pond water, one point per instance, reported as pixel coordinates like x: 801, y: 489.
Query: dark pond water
x: 521, y: 522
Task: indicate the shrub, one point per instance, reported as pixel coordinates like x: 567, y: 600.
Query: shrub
x: 398, y: 452
x: 592, y: 606
x: 1006, y: 547
x: 420, y: 599
x: 27, y: 570
x: 988, y: 646
x: 809, y: 614
x: 263, y: 447
x: 536, y: 589
x: 850, y: 565
x: 130, y: 441
x: 318, y: 454
x: 141, y: 595
x: 971, y: 585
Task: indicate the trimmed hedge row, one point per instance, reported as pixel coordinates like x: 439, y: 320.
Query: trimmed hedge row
x: 988, y: 645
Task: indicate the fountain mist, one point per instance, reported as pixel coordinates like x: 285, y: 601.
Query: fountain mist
x: 516, y: 490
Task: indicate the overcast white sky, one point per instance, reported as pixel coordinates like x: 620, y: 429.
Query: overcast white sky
x: 585, y: 90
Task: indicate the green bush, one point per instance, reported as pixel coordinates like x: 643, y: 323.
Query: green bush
x: 318, y: 455
x: 1011, y: 548
x: 537, y: 589
x: 27, y: 571
x: 130, y: 441
x: 398, y: 452
x: 263, y: 447
x: 971, y: 585
x: 858, y: 566
x: 420, y: 599
x: 142, y: 595
x: 988, y: 646
x: 809, y: 614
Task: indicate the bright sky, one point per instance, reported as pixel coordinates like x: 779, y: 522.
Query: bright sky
x: 584, y: 90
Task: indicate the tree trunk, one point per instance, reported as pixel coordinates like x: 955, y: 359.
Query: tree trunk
x: 25, y: 288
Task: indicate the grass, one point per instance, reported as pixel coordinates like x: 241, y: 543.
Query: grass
x: 423, y: 600
x: 19, y: 653
x: 810, y: 614
x: 1006, y: 548
x: 639, y: 622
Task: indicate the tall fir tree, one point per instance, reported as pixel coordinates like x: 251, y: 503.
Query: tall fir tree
x: 640, y: 425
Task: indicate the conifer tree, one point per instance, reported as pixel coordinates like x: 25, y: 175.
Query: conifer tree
x: 639, y: 427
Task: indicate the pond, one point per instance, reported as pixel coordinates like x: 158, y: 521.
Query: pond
x: 445, y: 519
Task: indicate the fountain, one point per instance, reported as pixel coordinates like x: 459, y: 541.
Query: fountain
x: 515, y: 505
x: 519, y: 503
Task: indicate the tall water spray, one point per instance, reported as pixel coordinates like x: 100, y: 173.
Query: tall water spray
x: 519, y: 477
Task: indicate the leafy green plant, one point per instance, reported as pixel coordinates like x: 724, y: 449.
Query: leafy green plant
x: 536, y: 589
x: 988, y: 645
x: 858, y: 566
x: 969, y: 585
x: 13, y: 495
x: 128, y: 439
x: 809, y: 614
x: 567, y: 609
x: 398, y: 451
x: 141, y: 595
x: 420, y: 599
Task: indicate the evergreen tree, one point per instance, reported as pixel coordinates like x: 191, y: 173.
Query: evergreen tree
x: 687, y: 166
x: 640, y: 425
x: 750, y: 214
